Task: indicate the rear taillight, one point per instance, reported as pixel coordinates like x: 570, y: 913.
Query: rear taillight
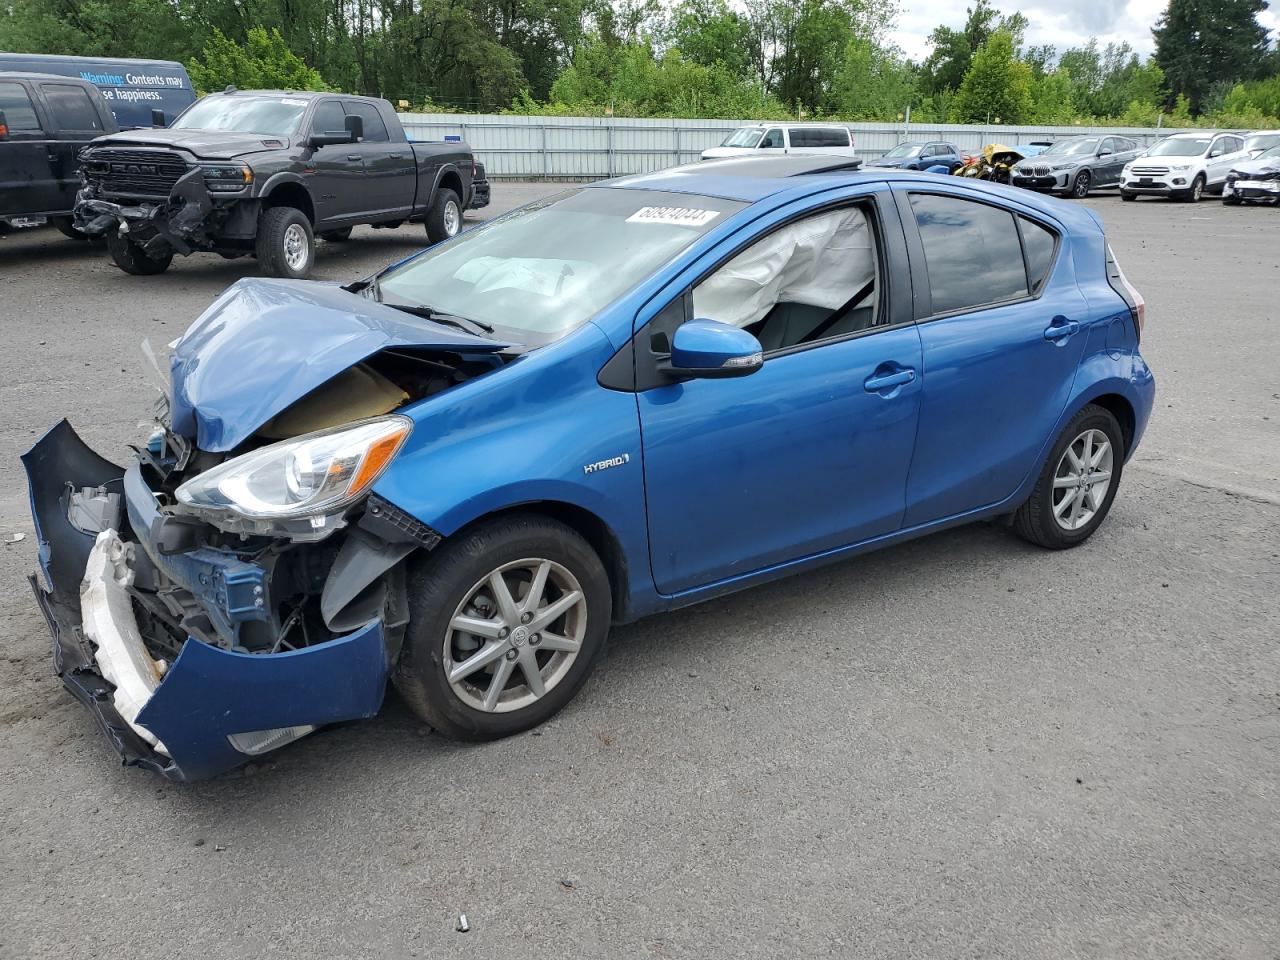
x: 1121, y: 285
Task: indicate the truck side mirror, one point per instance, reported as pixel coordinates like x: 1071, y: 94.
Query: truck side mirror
x: 157, y: 118
x: 4, y: 127
x: 355, y: 127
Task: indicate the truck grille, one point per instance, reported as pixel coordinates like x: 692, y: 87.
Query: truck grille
x: 134, y: 173
x: 1148, y: 171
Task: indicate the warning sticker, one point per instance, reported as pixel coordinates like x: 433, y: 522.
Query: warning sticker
x: 675, y: 216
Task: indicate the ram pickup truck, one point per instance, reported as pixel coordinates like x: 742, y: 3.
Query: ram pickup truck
x: 44, y: 122
x: 263, y: 173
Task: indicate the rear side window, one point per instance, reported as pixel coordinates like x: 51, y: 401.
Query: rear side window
x: 375, y: 131
x: 1038, y: 243
x: 71, y: 107
x: 18, y: 112
x: 819, y: 137
x: 972, y: 252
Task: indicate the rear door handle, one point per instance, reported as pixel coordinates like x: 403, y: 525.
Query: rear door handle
x: 879, y: 381
x: 353, y: 156
x: 1060, y: 329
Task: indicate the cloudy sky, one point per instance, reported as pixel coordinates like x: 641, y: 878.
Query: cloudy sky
x: 1063, y: 23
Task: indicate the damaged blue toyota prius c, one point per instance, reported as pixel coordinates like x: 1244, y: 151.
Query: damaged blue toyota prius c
x: 629, y: 397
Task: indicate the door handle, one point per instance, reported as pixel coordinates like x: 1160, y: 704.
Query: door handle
x: 353, y: 156
x: 396, y: 156
x: 887, y: 381
x: 1060, y: 329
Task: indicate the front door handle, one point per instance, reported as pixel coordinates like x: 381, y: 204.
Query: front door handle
x: 885, y: 379
x: 353, y: 156
x: 395, y: 156
x: 1060, y: 329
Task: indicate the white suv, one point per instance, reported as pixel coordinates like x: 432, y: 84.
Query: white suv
x: 830, y: 138
x: 1184, y: 165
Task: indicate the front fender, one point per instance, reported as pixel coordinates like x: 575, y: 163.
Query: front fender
x: 541, y: 429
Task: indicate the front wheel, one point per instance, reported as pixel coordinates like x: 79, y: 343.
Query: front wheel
x: 66, y: 227
x: 1231, y: 200
x: 444, y: 219
x: 1196, y: 192
x: 505, y: 624
x: 1077, y: 483
x: 1128, y: 195
x: 1080, y: 187
x: 133, y: 260
x: 285, y: 245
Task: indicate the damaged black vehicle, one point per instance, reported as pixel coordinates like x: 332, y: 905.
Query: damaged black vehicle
x: 1254, y: 181
x: 262, y: 174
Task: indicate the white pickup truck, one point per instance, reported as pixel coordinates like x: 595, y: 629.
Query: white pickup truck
x: 828, y: 138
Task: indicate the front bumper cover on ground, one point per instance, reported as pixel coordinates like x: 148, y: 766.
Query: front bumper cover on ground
x: 208, y: 695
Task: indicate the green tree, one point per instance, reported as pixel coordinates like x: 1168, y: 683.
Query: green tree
x: 1051, y: 98
x: 151, y: 29
x: 710, y: 32
x: 997, y: 86
x: 262, y: 62
x: 953, y: 50
x: 1200, y: 42
x: 873, y: 83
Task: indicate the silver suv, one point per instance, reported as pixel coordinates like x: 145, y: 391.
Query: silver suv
x: 1074, y: 166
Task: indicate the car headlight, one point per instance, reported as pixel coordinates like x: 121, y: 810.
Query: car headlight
x: 312, y: 476
x: 1059, y: 167
x: 1180, y: 166
x: 226, y: 176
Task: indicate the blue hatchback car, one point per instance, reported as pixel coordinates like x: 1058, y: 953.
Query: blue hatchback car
x: 632, y: 396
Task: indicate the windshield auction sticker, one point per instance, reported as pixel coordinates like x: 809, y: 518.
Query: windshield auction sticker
x: 674, y: 216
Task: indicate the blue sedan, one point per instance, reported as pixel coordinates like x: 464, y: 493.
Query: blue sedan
x: 627, y: 398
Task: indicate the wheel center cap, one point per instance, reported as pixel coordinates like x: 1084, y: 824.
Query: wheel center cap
x: 519, y: 635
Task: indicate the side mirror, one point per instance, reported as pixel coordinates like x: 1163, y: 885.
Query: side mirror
x: 355, y: 127
x: 4, y: 127
x: 157, y: 118
x: 1104, y: 153
x: 710, y: 349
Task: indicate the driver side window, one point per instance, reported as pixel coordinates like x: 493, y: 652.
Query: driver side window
x: 772, y: 140
x: 813, y: 279
x: 329, y: 118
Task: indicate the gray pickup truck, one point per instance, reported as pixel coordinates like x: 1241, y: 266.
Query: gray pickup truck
x: 262, y: 173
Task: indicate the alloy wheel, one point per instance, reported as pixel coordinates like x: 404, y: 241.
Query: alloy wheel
x: 452, y: 219
x: 1081, y: 479
x: 1081, y: 185
x: 515, y: 635
x: 295, y: 247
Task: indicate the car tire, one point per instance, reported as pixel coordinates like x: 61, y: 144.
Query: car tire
x: 1231, y: 201
x: 1080, y: 186
x: 66, y: 226
x: 1127, y: 195
x: 444, y: 219
x: 456, y: 580
x: 1196, y: 192
x: 285, y: 245
x: 337, y: 236
x: 1059, y: 513
x: 133, y: 260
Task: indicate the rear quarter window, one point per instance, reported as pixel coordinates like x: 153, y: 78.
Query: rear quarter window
x: 1039, y: 244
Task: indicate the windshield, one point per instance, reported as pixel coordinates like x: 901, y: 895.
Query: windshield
x: 1180, y: 147
x: 1067, y: 148
x: 1272, y: 154
x: 1262, y: 141
x: 904, y: 150
x: 743, y: 137
x: 543, y: 270
x: 272, y: 116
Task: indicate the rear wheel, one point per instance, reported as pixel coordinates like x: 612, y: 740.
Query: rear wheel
x: 444, y: 219
x: 1077, y: 483
x: 505, y: 623
x: 132, y: 259
x: 1080, y: 186
x: 285, y: 244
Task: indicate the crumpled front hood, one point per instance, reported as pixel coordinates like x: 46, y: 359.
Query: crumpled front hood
x: 1259, y: 169
x: 265, y: 344
x: 202, y: 144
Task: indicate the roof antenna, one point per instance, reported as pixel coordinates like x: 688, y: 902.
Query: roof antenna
x: 231, y: 88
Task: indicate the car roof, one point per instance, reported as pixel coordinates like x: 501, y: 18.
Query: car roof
x: 36, y: 75
x: 753, y: 179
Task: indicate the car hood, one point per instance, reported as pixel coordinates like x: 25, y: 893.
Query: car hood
x: 1270, y: 167
x: 888, y: 161
x: 205, y: 144
x: 264, y: 344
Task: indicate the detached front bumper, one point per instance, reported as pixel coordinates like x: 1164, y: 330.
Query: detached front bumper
x: 1246, y: 188
x: 212, y: 708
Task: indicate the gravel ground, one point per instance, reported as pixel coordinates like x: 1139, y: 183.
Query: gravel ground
x: 958, y: 747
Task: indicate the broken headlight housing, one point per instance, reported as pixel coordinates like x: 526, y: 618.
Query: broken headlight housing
x: 312, y: 477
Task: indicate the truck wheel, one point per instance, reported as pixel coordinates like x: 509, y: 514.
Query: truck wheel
x: 505, y: 622
x: 336, y: 236
x: 132, y: 259
x: 285, y: 245
x: 444, y: 219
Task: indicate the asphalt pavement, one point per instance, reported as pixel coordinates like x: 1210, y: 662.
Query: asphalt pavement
x: 959, y: 747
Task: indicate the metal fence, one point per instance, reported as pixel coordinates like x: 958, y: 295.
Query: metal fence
x: 587, y: 148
